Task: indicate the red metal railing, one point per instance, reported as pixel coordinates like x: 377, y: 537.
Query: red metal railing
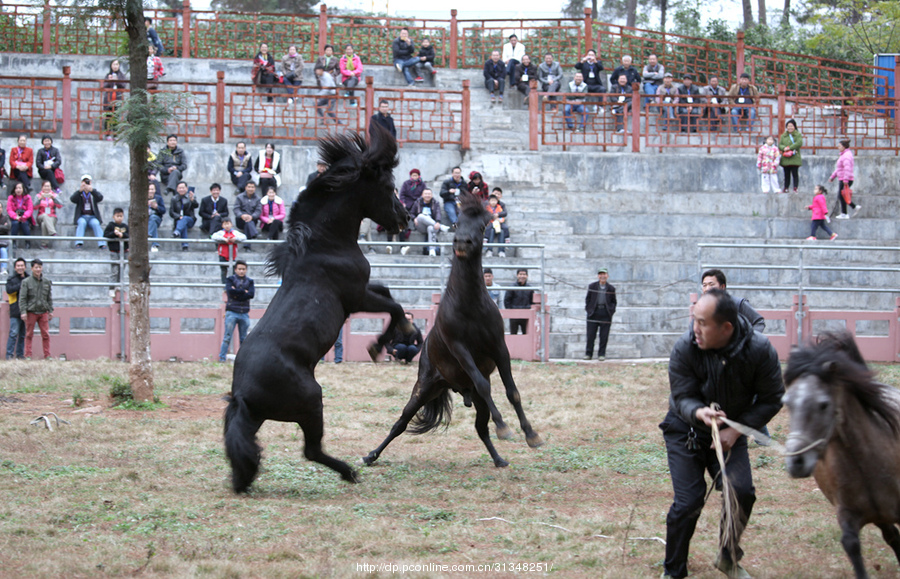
x: 458, y: 43
x: 77, y: 108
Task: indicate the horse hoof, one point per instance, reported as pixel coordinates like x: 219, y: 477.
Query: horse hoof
x: 500, y: 463
x: 373, y: 351
x: 535, y: 440
x: 369, y: 459
x: 504, y: 433
x: 351, y: 477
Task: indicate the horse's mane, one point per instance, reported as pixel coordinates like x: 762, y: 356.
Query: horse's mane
x: 471, y: 205
x: 347, y: 156
x: 837, y: 361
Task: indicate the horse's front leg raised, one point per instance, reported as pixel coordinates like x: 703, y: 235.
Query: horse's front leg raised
x: 378, y: 299
x: 512, y: 394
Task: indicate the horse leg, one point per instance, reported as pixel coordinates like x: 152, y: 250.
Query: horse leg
x: 313, y: 429
x: 420, y: 397
x: 850, y: 542
x: 378, y: 299
x: 482, y: 385
x: 512, y: 394
x: 243, y: 451
x: 892, y: 538
x: 482, y: 415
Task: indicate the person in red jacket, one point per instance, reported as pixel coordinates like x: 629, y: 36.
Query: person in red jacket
x: 21, y: 160
x: 227, y: 240
x: 819, y: 210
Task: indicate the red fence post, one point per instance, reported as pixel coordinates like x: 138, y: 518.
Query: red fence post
x: 635, y: 117
x: 186, y: 29
x: 740, y: 54
x: 466, y: 121
x: 454, y: 38
x: 588, y: 31
x: 370, y: 100
x: 782, y: 104
x: 220, y: 106
x: 896, y: 94
x: 534, y: 117
x: 45, y: 31
x: 67, y: 103
x: 323, y: 28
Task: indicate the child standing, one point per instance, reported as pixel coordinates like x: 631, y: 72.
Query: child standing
x: 819, y: 214
x: 117, y: 232
x: 226, y: 238
x: 767, y: 163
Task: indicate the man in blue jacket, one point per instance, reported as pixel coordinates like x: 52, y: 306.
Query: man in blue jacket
x: 240, y: 290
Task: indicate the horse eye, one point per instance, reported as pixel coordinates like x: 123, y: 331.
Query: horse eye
x: 823, y: 406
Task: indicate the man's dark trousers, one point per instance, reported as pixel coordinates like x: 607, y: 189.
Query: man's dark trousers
x: 599, y: 320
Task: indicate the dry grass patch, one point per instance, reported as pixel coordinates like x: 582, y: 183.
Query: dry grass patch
x: 146, y: 493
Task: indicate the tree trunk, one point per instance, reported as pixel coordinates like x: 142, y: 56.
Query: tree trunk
x: 663, y: 9
x: 748, y: 13
x: 762, y: 13
x: 594, y: 9
x: 786, y: 15
x: 140, y: 372
x: 631, y: 16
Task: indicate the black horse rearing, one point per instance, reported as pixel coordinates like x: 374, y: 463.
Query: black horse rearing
x: 463, y: 348
x: 325, y: 279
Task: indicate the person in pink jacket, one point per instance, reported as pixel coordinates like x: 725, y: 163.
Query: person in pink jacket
x: 272, y: 214
x: 767, y: 163
x: 20, y: 209
x: 843, y: 171
x: 351, y: 71
x: 819, y: 214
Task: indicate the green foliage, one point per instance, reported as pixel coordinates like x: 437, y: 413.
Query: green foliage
x: 77, y: 399
x: 142, y: 116
x: 123, y: 398
x: 286, y: 6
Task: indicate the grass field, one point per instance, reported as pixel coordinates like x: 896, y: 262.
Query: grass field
x: 124, y: 492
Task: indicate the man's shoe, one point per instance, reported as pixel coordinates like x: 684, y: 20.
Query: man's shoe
x: 587, y: 357
x: 389, y: 249
x: 843, y: 216
x: 404, y: 250
x: 445, y: 228
x: 501, y: 254
x: 432, y: 253
x: 601, y: 358
x: 420, y: 79
x: 733, y: 570
x: 154, y: 249
x: 489, y: 253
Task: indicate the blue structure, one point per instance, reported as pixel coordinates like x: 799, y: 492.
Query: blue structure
x: 885, y: 86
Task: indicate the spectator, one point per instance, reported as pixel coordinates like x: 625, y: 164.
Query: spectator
x: 426, y: 60
x: 351, y: 72
x: 247, y: 209
x: 365, y: 235
x: 3, y: 174
x: 272, y: 214
x: 667, y: 94
x: 450, y: 192
x: 155, y: 70
x: 495, y: 231
x: 489, y: 284
x: 87, y: 211
x: 240, y: 167
x: 504, y: 224
x: 843, y: 170
x: 240, y: 290
x: 268, y: 165
x: 715, y: 279
x: 427, y: 219
x: 171, y: 163
x: 48, y: 161
x: 628, y: 70
x: 292, y: 71
x: 621, y: 101
x: 600, y: 305
x: 113, y: 86
x: 181, y: 209
x: 550, y: 75
x: 47, y: 204
x: 326, y: 102
x: 790, y: 143
x: 404, y: 51
x: 520, y: 299
x: 411, y: 190
x: 152, y: 171
x: 743, y: 96
x: 4, y: 245
x: 767, y: 163
x: 328, y: 61
x: 653, y: 75
x: 263, y: 71
x: 477, y: 186
x: 524, y: 73
x: 494, y: 76
x: 715, y: 95
x: 20, y: 209
x: 15, y: 344
x: 405, y: 346
x: 213, y: 209
x: 689, y: 98
x: 157, y: 208
x: 117, y: 232
x: 575, y: 104
x: 819, y: 210
x: 513, y: 51
x: 21, y: 159
x: 591, y: 71
x: 152, y: 37
x: 227, y: 240
x: 36, y: 306
x: 320, y: 168
x: 383, y: 117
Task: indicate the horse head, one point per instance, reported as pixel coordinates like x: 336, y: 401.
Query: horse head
x: 379, y: 202
x: 469, y: 238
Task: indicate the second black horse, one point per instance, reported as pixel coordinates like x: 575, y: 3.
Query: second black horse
x: 463, y: 348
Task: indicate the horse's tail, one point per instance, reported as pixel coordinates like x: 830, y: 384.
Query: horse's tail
x: 240, y: 444
x: 433, y: 414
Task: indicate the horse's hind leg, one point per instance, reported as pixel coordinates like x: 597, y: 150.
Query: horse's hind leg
x: 892, y: 538
x: 850, y: 542
x: 243, y: 451
x: 420, y: 397
x: 482, y: 419
x: 482, y: 385
x: 313, y: 430
x: 512, y: 394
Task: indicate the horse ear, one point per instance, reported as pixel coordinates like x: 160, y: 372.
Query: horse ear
x: 829, y: 366
x: 381, y: 154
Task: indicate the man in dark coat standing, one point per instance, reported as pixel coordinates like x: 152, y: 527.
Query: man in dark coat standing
x: 600, y: 305
x: 519, y: 299
x: 383, y: 117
